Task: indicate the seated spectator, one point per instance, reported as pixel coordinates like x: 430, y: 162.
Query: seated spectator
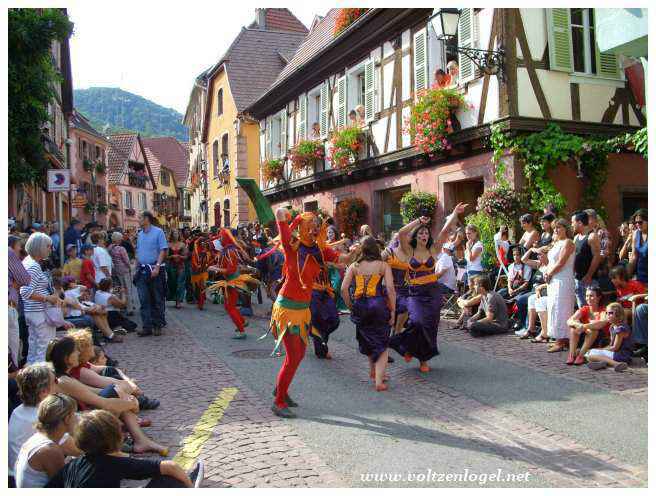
x: 73, y: 266
x: 88, y: 270
x: 502, y: 243
x: 519, y: 277
x: 626, y: 288
x: 537, y: 260
x: 639, y: 258
x: 492, y: 315
x: 640, y: 331
x: 112, y: 303
x: 35, y: 382
x: 64, y: 355
x: 469, y: 303
x: 445, y: 270
x: 537, y: 308
x: 618, y: 354
x: 531, y: 234
x: 588, y: 321
x: 102, y: 376
x: 80, y: 312
x: 99, y: 358
x: 625, y: 242
x: 98, y: 434
x: 41, y: 456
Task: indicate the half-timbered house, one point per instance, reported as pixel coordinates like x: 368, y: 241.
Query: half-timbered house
x: 552, y: 72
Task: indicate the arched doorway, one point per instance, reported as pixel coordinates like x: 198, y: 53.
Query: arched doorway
x: 226, y: 213
x: 217, y: 214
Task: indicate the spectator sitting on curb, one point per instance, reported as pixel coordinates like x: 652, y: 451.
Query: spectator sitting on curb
x: 618, y: 353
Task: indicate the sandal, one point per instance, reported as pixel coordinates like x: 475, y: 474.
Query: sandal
x: 556, y: 348
x: 539, y: 339
x: 144, y: 422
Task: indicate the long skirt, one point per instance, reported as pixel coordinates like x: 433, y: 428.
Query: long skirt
x: 177, y: 284
x: 336, y: 283
x: 372, y: 328
x: 420, y: 336
x: 401, y: 301
x: 325, y: 320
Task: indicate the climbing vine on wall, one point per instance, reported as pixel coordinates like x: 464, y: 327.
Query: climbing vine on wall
x: 542, y: 152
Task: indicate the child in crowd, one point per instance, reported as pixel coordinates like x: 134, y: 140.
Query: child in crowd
x: 98, y: 434
x: 618, y: 354
x: 88, y: 270
x: 73, y: 267
x: 625, y: 287
x: 99, y: 358
x: 519, y: 276
x: 113, y: 302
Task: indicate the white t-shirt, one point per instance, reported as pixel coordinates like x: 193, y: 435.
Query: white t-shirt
x: 21, y: 428
x: 73, y: 294
x: 517, y: 270
x: 101, y: 258
x: 102, y: 298
x: 449, y: 277
x: 476, y: 263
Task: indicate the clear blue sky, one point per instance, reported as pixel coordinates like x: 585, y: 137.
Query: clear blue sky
x: 156, y: 49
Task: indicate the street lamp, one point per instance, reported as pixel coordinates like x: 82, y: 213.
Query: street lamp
x: 445, y: 24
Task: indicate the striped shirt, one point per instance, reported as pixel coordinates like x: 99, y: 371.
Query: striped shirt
x: 39, y: 284
x: 18, y: 276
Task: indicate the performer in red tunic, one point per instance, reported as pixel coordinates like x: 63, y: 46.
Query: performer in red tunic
x: 234, y: 280
x: 201, y: 259
x: 290, y: 316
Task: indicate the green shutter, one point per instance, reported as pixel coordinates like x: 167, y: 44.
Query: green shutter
x: 369, y: 91
x: 341, y: 102
x: 324, y: 106
x: 420, y: 60
x: 466, y: 40
x: 560, y: 40
x: 607, y: 64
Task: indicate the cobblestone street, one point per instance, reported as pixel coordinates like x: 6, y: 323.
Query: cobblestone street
x: 487, y: 405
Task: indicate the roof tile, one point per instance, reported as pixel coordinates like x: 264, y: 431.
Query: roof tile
x: 118, y: 154
x: 170, y: 153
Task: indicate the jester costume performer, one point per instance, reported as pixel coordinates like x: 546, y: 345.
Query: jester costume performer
x: 419, y: 339
x: 201, y: 259
x: 233, y: 280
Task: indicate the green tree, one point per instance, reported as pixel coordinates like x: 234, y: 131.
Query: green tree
x: 31, y: 79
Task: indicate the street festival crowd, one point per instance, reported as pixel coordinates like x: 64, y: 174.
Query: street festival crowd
x: 570, y: 285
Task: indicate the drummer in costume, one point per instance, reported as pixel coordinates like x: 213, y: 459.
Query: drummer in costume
x: 233, y: 280
x: 201, y: 259
x: 399, y: 266
x: 291, y: 319
x: 419, y: 339
x: 373, y: 308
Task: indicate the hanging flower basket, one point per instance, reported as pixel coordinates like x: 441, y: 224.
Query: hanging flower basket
x: 89, y: 208
x: 87, y: 165
x: 346, y: 146
x: 305, y: 153
x: 431, y: 119
x: 346, y: 17
x: 414, y: 204
x: 272, y: 170
x: 500, y: 202
x: 350, y: 214
x: 100, y: 168
x: 102, y: 208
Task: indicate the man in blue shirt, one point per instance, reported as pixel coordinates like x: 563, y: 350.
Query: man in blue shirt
x: 73, y: 236
x: 150, y: 280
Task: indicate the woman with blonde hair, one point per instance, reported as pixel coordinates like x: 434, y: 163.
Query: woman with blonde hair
x: 41, y: 457
x: 620, y: 350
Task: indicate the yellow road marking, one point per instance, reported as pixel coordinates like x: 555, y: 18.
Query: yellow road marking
x: 193, y: 443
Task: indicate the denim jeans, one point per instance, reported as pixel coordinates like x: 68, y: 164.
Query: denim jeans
x: 580, y: 288
x: 640, y: 324
x: 82, y: 321
x: 152, y: 295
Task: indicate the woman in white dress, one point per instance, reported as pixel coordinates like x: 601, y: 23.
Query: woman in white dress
x: 560, y: 278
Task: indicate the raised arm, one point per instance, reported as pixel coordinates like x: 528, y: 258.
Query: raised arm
x: 449, y: 223
x: 391, y: 292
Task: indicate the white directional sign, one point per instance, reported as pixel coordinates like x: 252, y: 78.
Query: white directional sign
x: 59, y: 180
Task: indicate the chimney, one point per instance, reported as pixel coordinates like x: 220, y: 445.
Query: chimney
x: 260, y: 18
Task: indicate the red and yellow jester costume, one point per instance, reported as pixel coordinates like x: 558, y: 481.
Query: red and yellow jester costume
x: 201, y: 259
x: 228, y: 264
x: 290, y: 315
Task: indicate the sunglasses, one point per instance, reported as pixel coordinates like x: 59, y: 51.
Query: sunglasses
x: 611, y: 312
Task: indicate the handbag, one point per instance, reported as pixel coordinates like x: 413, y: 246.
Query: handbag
x: 54, y: 316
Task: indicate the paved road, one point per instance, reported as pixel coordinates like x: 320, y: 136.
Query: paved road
x: 474, y: 411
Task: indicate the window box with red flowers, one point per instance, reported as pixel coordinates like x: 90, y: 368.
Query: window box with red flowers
x: 432, y: 119
x: 346, y: 17
x: 305, y: 154
x: 273, y: 170
x: 346, y: 145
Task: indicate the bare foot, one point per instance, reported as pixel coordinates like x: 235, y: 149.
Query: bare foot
x: 150, y: 446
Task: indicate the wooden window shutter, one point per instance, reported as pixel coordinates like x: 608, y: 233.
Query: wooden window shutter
x: 341, y: 102
x: 301, y: 123
x: 324, y: 105
x: 420, y: 60
x: 466, y: 33
x: 369, y: 91
x: 267, y: 139
x: 560, y: 40
x: 283, y: 132
x: 607, y: 64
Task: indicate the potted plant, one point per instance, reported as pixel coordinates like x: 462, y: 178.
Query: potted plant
x: 100, y: 167
x: 345, y: 18
x: 102, y: 208
x: 501, y: 202
x: 87, y: 165
x: 350, y: 214
x: 346, y: 145
x: 305, y: 153
x: 89, y: 208
x: 431, y: 118
x: 414, y: 204
x: 272, y: 170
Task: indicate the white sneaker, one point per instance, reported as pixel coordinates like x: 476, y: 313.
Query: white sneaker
x: 197, y: 474
x: 521, y: 332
